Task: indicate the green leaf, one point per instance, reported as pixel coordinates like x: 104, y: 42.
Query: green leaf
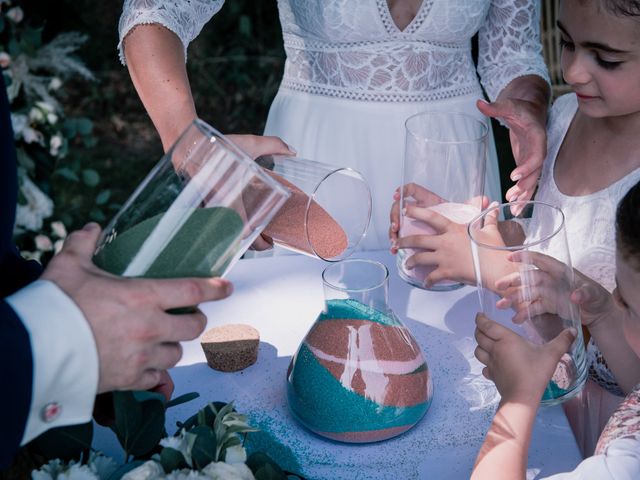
x: 90, y: 177
x: 171, y: 459
x: 84, y: 126
x: 97, y: 215
x: 204, y: 448
x: 139, y: 421
x: 264, y: 468
x: 103, y: 197
x: 67, y: 173
x: 187, y: 397
x: 244, y: 25
x: 69, y: 128
x: 65, y: 442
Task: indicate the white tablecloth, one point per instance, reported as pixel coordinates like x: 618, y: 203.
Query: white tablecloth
x: 281, y: 297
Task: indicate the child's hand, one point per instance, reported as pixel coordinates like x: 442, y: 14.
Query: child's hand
x: 520, y: 369
x: 544, y: 287
x: 548, y: 288
x: 449, y: 249
x: 420, y: 196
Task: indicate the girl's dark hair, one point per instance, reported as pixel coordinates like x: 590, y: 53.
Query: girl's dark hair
x: 628, y: 226
x: 629, y: 8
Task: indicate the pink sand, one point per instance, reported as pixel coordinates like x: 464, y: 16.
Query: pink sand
x: 461, y: 213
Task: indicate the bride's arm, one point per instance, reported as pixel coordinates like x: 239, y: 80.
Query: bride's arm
x: 156, y: 62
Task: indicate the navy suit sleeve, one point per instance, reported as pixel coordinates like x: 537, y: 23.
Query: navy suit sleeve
x: 16, y: 362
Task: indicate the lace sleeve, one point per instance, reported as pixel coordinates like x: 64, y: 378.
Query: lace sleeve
x: 185, y: 18
x: 509, y: 44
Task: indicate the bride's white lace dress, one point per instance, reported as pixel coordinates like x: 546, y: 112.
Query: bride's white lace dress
x: 352, y: 77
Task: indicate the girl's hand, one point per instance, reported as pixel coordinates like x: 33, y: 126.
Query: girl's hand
x: 520, y: 369
x: 419, y: 196
x: 552, y: 287
x: 449, y: 249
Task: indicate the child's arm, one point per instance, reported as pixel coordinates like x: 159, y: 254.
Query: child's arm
x: 598, y: 310
x: 509, y: 359
x: 605, y: 320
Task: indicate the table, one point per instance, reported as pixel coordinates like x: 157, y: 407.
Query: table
x: 281, y: 296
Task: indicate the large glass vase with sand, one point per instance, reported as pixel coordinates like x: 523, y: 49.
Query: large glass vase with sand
x: 359, y: 375
x: 526, y: 291
x: 328, y: 210
x: 443, y: 171
x: 194, y: 214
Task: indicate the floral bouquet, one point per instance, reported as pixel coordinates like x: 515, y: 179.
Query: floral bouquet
x: 208, y: 445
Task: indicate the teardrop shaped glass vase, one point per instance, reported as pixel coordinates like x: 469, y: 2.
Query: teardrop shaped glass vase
x: 359, y: 375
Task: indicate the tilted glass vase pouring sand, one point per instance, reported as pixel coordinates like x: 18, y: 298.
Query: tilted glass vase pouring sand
x: 359, y: 375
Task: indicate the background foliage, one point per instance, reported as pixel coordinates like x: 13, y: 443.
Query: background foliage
x: 234, y: 67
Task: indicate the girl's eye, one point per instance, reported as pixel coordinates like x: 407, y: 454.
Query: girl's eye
x: 606, y: 64
x: 566, y: 44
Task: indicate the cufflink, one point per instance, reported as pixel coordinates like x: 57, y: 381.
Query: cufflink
x: 50, y: 412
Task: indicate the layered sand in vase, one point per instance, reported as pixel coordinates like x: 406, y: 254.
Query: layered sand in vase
x: 359, y: 376
x: 323, y: 236
x: 230, y: 348
x: 456, y: 212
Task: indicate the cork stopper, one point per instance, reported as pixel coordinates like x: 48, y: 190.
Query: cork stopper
x: 229, y: 348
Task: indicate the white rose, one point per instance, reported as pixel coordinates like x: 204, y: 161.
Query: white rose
x: 36, y: 115
x: 55, y: 83
x: 16, y: 14
x: 58, y: 229
x: 54, y: 144
x: 45, y: 107
x: 43, y: 243
x: 38, y: 206
x: 147, y: 471
x: 225, y: 471
x: 31, y: 135
x: 18, y: 122
x: 235, y: 454
x: 5, y: 59
x: 52, y: 118
x: 78, y: 472
x: 183, y: 443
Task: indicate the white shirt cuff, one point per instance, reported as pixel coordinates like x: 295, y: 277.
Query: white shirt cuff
x: 65, y: 358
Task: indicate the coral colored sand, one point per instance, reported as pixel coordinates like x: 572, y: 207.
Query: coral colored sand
x: 326, y: 238
x: 456, y: 212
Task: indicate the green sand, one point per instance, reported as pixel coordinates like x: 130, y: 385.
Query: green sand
x: 194, y: 251
x: 357, y: 311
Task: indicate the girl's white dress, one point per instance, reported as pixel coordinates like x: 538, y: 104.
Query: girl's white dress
x: 352, y: 77
x: 590, y: 227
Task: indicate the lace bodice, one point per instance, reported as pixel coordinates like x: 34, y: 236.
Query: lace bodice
x: 353, y: 49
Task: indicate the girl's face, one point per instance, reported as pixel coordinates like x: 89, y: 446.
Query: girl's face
x: 600, y: 58
x: 627, y: 297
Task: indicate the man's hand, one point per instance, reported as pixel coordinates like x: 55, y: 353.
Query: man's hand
x: 136, y: 339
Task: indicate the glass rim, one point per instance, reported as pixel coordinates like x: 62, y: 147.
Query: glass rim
x: 515, y: 247
x: 211, y: 132
x: 482, y: 123
x: 350, y: 249
x: 379, y: 284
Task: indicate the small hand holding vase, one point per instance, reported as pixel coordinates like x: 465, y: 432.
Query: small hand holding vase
x: 359, y: 375
x: 444, y: 171
x: 525, y: 281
